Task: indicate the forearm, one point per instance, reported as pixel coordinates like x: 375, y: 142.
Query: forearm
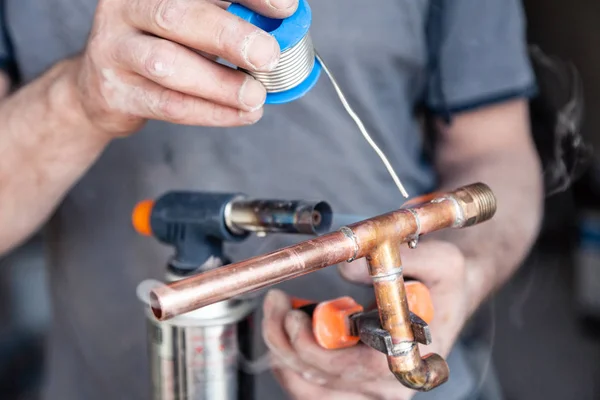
x: 46, y: 144
x: 140, y: 63
x: 495, y: 249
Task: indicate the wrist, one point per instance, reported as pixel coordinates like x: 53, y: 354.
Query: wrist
x: 65, y: 103
x: 480, y: 282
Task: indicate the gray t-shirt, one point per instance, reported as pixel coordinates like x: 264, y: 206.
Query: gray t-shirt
x: 390, y: 56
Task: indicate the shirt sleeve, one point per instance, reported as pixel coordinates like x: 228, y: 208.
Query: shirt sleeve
x: 478, y: 55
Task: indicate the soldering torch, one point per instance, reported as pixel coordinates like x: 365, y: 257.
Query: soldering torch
x: 196, y: 355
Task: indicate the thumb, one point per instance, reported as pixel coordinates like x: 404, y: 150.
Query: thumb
x: 356, y: 271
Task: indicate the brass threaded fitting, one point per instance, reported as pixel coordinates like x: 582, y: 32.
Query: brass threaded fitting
x: 478, y: 203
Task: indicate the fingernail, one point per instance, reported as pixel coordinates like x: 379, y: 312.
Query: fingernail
x: 261, y: 51
x: 282, y: 4
x: 252, y: 94
x: 293, y: 323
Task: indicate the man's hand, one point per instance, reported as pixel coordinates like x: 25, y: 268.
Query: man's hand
x: 143, y: 61
x: 307, y: 371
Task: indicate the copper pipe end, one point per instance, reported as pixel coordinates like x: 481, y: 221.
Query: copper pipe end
x: 478, y: 203
x: 432, y: 372
x: 156, y: 307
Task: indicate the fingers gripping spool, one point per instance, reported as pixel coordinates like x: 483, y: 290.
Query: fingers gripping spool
x: 299, y: 69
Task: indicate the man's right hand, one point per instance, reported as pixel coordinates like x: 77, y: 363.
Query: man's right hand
x: 153, y: 59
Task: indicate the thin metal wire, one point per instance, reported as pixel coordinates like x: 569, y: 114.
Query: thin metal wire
x: 362, y: 128
x: 295, y: 65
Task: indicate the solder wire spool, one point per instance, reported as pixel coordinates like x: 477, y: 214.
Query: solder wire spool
x: 300, y: 67
x: 298, y: 70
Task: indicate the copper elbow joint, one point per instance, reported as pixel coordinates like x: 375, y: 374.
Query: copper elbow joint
x: 432, y: 372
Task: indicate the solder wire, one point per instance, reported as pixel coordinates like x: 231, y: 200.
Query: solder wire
x: 362, y: 128
x: 295, y: 65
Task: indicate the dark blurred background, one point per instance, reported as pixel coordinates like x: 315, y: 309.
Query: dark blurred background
x: 545, y: 324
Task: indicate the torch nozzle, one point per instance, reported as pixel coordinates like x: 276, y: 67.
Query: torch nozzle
x: 279, y: 216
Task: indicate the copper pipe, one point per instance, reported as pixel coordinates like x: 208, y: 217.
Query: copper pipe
x: 463, y: 207
x: 378, y: 239
x: 247, y: 276
x: 385, y: 268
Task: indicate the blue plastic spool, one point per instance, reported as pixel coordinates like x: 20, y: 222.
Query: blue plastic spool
x: 288, y: 33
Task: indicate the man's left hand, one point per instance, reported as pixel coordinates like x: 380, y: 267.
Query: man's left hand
x: 307, y: 371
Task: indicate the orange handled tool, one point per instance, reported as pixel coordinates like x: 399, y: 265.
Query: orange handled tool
x: 337, y: 323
